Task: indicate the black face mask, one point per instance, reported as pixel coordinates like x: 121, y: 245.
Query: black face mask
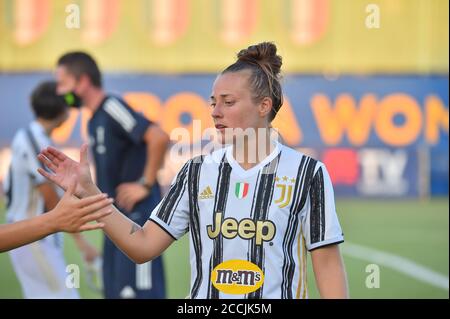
x: 72, y: 99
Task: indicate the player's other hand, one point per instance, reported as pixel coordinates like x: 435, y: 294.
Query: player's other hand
x: 129, y: 194
x: 90, y: 253
x: 73, y: 215
x: 63, y: 168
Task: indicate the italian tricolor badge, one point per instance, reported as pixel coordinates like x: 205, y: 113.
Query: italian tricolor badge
x: 241, y: 190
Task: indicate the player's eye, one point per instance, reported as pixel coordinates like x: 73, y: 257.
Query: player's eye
x: 229, y: 103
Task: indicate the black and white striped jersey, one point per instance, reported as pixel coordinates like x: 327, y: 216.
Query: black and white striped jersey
x: 250, y: 230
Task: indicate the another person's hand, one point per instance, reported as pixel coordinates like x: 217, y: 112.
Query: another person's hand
x: 90, y: 253
x: 63, y: 168
x: 128, y: 194
x: 73, y: 215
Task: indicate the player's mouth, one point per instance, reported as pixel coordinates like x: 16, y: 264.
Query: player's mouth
x: 220, y: 127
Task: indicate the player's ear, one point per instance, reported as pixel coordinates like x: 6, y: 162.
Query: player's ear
x: 84, y: 80
x: 265, y: 107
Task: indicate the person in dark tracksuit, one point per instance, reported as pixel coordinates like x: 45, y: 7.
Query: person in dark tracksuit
x: 128, y: 150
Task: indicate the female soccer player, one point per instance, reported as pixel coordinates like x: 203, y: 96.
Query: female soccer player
x: 253, y: 209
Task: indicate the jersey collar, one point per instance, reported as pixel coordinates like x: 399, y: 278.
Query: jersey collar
x: 249, y: 172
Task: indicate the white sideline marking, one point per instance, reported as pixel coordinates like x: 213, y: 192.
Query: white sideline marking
x: 401, y: 264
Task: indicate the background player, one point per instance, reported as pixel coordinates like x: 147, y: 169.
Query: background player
x: 128, y: 152
x: 40, y: 266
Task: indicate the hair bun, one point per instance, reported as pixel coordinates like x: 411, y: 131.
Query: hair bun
x: 264, y: 54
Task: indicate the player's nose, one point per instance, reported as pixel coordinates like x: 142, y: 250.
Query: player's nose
x: 216, y: 111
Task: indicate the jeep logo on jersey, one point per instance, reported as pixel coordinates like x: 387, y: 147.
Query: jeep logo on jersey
x: 237, y: 277
x: 261, y: 230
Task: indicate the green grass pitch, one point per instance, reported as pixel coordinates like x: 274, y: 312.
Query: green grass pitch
x: 413, y: 229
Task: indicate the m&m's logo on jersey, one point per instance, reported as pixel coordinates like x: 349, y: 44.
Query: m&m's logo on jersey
x: 237, y: 277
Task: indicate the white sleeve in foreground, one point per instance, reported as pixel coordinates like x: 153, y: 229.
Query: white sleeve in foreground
x: 172, y: 213
x: 320, y: 222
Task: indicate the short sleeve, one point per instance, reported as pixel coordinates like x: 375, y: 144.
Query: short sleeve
x: 133, y: 124
x: 172, y: 213
x: 320, y: 222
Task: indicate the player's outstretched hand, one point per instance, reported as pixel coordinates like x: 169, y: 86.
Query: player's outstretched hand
x: 73, y: 215
x: 62, y: 168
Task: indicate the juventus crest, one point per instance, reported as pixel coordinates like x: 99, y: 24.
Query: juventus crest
x: 285, y: 184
